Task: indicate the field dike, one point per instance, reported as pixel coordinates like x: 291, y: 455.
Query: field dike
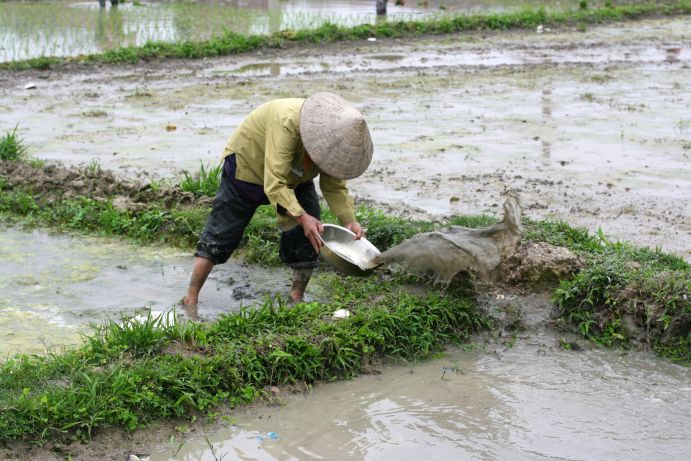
x: 131, y: 373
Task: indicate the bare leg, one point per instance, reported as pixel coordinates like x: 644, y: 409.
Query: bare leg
x: 201, y: 270
x: 301, y: 277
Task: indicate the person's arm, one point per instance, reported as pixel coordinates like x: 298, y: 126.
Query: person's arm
x: 335, y: 193
x: 279, y: 151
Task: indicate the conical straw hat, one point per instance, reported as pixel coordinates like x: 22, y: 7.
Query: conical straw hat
x: 335, y: 135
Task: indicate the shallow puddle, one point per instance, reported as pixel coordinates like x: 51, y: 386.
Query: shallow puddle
x: 72, y: 27
x: 532, y: 401
x: 53, y: 286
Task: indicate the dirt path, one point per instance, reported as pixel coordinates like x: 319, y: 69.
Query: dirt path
x: 592, y: 128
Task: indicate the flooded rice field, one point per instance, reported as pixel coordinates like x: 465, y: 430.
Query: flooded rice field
x: 53, y: 287
x: 531, y: 401
x: 72, y: 27
x: 590, y: 127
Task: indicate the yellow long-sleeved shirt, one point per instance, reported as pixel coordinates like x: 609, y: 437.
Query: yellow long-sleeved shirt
x: 269, y: 152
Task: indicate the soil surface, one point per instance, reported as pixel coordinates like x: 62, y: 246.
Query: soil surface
x: 591, y: 127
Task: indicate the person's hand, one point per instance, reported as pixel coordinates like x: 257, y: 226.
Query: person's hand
x: 313, y: 229
x: 356, y: 229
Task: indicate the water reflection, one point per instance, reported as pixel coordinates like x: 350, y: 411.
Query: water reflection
x: 68, y: 27
x: 58, y: 285
x: 109, y: 28
x: 262, y: 68
x: 531, y: 402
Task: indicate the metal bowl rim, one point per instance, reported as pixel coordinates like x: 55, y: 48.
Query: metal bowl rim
x: 363, y: 240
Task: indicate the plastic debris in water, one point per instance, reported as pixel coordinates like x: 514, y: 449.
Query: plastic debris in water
x: 138, y: 457
x: 342, y: 314
x: 266, y: 436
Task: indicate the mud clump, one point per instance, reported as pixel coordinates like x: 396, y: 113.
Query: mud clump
x: 53, y: 182
x: 539, y: 265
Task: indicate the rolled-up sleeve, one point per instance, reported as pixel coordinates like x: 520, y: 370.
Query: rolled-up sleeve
x: 336, y: 195
x: 279, y: 152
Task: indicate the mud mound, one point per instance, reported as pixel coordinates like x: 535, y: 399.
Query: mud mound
x: 540, y: 265
x: 53, y: 182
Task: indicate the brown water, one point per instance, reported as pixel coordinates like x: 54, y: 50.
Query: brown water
x: 53, y: 286
x: 532, y: 401
x: 592, y: 128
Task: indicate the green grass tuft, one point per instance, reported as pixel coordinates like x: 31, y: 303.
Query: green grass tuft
x: 12, y: 146
x: 205, y: 182
x: 625, y: 293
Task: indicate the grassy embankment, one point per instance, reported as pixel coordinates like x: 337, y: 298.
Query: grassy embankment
x: 133, y: 373
x: 232, y: 43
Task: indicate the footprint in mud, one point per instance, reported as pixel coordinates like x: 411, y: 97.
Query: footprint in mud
x: 244, y: 292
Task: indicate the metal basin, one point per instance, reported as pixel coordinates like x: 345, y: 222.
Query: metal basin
x: 352, y: 257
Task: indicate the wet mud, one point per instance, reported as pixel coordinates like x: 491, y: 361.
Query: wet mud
x: 53, y: 182
x: 591, y: 127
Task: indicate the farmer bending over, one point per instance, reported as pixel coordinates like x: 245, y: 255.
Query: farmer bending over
x: 272, y: 158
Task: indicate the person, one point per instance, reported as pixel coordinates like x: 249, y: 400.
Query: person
x: 272, y: 158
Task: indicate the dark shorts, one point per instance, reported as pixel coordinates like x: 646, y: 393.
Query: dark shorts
x: 233, y: 208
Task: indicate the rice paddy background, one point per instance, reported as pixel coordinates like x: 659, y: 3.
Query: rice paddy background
x: 67, y: 28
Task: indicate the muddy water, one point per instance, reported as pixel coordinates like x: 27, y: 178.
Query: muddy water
x: 69, y: 27
x: 52, y: 287
x: 592, y: 128
x: 529, y: 401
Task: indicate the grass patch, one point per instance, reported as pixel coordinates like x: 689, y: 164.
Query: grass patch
x: 204, y: 182
x: 130, y: 374
x: 625, y: 294
x: 154, y: 224
x: 12, y: 146
x: 233, y: 43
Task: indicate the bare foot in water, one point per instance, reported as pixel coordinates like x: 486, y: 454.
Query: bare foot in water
x: 190, y: 309
x: 295, y: 298
x: 187, y: 300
